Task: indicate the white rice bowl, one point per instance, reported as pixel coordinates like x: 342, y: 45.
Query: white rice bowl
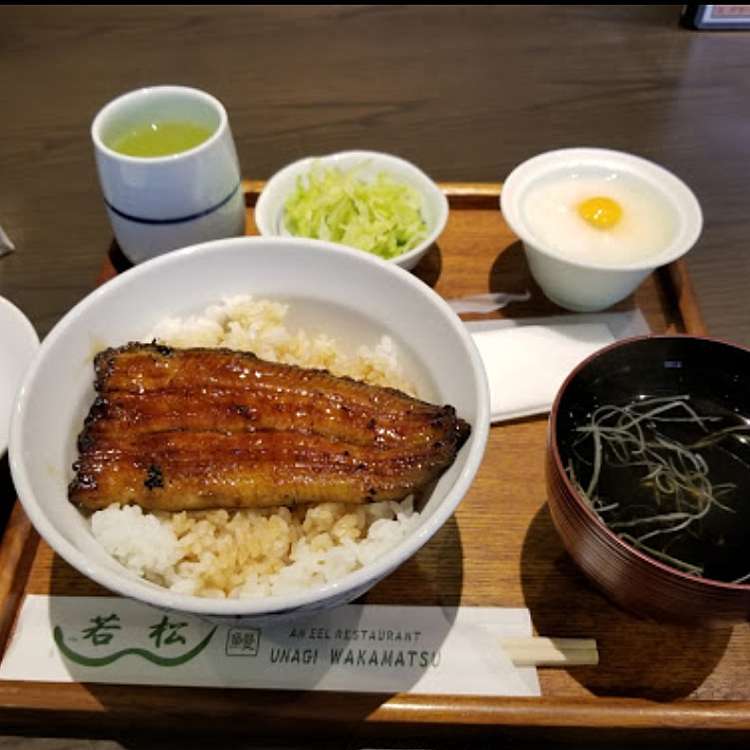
x: 346, y: 295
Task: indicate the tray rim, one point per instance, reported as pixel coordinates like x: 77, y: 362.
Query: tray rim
x: 401, y: 711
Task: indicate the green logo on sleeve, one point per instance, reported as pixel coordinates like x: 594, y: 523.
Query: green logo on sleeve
x: 103, y: 630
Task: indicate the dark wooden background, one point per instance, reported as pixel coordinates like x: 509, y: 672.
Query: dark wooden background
x: 466, y: 92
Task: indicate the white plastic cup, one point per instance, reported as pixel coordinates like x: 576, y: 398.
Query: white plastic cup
x: 158, y: 204
x: 583, y: 286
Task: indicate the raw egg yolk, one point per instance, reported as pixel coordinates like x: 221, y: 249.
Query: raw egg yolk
x: 600, y: 212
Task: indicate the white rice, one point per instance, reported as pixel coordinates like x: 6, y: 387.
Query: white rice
x: 264, y: 552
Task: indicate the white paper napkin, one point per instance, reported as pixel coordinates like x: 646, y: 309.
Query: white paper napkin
x: 362, y: 648
x: 527, y: 362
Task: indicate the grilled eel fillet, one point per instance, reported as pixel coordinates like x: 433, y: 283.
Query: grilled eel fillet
x: 189, y: 429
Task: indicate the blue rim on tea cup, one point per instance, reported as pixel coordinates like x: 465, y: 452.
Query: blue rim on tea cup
x: 161, y: 203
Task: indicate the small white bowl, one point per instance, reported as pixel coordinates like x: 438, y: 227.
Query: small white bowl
x: 588, y: 286
x: 269, y: 210
x: 345, y: 293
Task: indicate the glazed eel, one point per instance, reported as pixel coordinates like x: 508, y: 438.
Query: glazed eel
x: 188, y: 429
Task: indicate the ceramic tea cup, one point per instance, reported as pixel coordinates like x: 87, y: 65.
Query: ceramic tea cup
x: 168, y: 170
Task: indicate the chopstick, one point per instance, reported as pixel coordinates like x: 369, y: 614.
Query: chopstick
x: 486, y: 303
x: 551, y: 652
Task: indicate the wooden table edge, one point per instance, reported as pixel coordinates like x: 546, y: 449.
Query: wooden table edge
x: 23, y: 705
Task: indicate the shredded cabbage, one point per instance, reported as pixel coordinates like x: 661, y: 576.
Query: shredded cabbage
x: 381, y: 216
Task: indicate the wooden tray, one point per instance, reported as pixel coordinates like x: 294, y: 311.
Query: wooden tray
x: 500, y: 549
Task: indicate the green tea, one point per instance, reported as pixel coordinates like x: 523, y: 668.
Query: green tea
x: 153, y: 139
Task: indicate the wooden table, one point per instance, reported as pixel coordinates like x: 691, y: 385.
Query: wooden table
x: 466, y: 92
